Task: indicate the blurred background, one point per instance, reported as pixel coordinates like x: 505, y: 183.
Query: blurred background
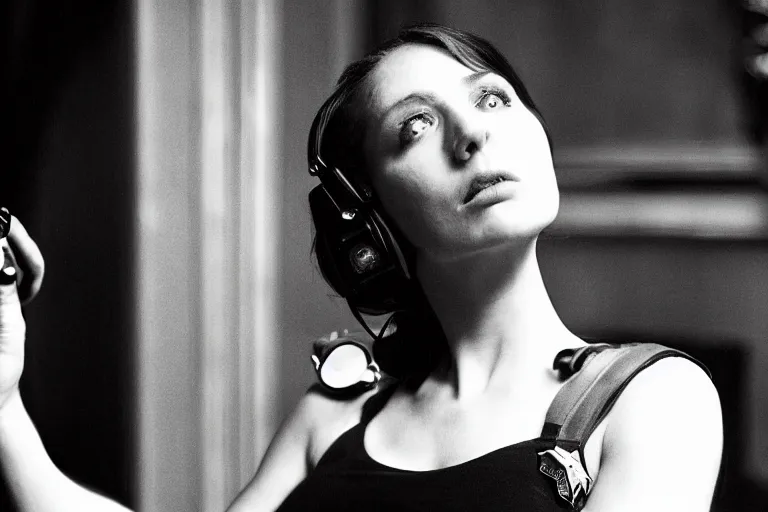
x: 156, y: 152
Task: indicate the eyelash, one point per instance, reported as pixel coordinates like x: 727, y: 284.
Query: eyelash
x: 496, y: 91
x: 405, y: 126
x: 485, y: 92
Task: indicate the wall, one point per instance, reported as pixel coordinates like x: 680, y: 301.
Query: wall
x: 312, y: 58
x: 620, y: 72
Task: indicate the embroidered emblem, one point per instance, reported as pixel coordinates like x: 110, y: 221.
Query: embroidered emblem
x: 566, y: 469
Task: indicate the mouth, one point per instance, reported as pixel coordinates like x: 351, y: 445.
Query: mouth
x: 485, y: 181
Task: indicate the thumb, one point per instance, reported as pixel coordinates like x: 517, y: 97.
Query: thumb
x: 8, y: 268
x: 10, y: 310
x: 12, y: 330
x: 12, y: 324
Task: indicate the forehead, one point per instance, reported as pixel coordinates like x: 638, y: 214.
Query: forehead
x: 412, y: 68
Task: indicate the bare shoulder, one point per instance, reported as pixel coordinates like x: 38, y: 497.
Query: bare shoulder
x: 317, y: 408
x: 673, y: 395
x: 663, y: 442
x: 328, y: 417
x: 314, y: 423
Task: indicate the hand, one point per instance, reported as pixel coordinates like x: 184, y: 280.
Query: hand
x: 20, y: 251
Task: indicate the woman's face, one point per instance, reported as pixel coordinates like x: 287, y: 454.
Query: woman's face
x: 457, y: 161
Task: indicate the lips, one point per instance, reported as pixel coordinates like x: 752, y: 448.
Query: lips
x: 484, y: 181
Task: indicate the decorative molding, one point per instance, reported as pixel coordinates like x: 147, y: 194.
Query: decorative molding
x: 218, y: 252
x: 167, y: 309
x: 696, y: 191
x: 208, y: 217
x: 590, y: 166
x: 740, y: 214
x: 260, y: 231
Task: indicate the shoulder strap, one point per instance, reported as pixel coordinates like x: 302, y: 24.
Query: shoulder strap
x: 582, y: 402
x: 587, y: 397
x: 385, y: 389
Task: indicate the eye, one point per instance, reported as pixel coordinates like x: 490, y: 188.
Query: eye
x: 414, y: 126
x: 492, y: 98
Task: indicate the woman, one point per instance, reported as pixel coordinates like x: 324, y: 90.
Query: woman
x: 436, y: 135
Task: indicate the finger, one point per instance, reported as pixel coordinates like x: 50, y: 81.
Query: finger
x: 5, y: 222
x: 8, y: 271
x: 5, y: 226
x: 8, y: 291
x: 29, y: 259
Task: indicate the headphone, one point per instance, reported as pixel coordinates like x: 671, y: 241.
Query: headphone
x: 358, y: 251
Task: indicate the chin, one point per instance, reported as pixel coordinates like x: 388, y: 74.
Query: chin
x: 508, y: 224
x: 512, y: 220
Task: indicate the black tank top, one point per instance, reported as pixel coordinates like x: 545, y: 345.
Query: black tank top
x: 347, y: 478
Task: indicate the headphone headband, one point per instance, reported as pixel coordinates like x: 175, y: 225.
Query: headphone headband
x: 357, y: 251
x: 341, y: 191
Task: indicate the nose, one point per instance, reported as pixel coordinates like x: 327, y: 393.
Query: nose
x: 471, y: 135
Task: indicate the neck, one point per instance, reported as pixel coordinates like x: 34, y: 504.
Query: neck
x: 501, y: 326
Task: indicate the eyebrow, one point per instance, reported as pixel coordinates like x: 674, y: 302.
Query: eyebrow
x: 476, y: 77
x: 469, y: 80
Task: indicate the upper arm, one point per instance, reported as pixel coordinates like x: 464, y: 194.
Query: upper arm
x: 303, y: 437
x: 663, y: 443
x: 283, y: 466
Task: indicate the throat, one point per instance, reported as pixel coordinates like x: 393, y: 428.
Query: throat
x: 467, y: 382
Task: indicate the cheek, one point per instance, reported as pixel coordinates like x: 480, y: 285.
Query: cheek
x: 529, y: 149
x: 415, y: 205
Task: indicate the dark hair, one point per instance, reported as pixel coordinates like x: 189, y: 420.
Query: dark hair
x: 337, y: 135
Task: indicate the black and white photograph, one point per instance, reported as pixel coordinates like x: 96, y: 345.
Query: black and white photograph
x: 384, y: 255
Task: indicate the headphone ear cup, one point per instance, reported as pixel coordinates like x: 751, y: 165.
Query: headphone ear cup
x: 359, y: 255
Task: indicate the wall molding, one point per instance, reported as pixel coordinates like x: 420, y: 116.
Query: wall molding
x: 208, y: 140
x: 600, y: 165
x: 740, y: 214
x: 683, y: 190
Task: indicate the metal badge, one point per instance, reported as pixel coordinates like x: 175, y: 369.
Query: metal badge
x: 567, y: 470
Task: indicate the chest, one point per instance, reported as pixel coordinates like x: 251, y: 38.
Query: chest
x: 424, y: 437
x: 423, y: 460
x: 348, y: 479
